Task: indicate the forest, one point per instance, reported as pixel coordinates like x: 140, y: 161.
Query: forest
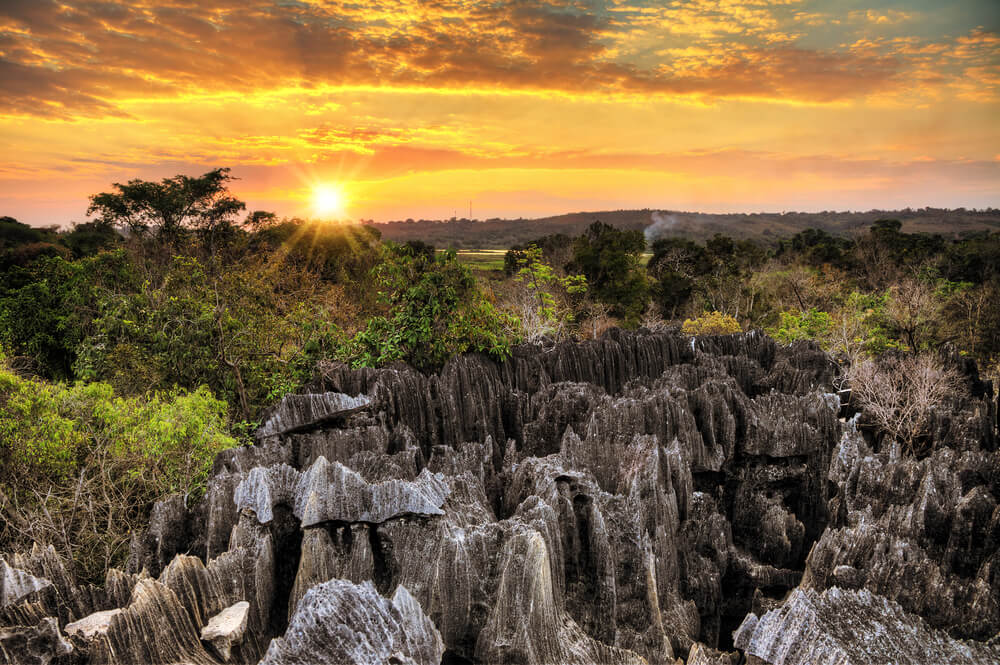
x: 136, y: 346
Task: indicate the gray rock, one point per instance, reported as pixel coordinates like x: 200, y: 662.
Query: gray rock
x: 851, y: 628
x: 16, y: 584
x: 622, y: 499
x: 226, y: 629
x: 299, y: 412
x: 265, y: 487
x: 341, y: 623
x: 155, y: 629
x: 332, y: 492
x: 33, y: 645
x: 92, y: 625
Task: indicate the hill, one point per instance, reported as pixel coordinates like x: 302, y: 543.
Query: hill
x: 503, y: 233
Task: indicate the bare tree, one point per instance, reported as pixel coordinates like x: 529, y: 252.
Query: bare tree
x: 901, y: 394
x: 911, y: 309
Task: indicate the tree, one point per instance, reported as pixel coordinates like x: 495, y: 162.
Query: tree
x: 610, y: 259
x: 544, y: 315
x: 171, y: 206
x: 901, y: 394
x: 711, y: 323
x: 434, y: 310
x: 910, y: 311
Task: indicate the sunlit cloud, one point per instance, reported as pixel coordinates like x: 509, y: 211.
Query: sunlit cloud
x: 740, y: 102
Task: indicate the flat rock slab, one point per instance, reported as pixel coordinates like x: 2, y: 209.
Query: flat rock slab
x: 93, y: 624
x: 302, y: 412
x: 226, y: 629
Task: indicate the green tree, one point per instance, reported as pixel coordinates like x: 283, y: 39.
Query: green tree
x: 610, y: 259
x: 49, y: 310
x: 434, y: 309
x: 241, y: 329
x: 171, y: 207
x: 812, y: 324
x: 551, y: 296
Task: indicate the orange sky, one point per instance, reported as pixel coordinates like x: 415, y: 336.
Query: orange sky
x: 414, y: 109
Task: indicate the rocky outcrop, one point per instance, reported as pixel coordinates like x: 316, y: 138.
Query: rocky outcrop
x: 851, y: 627
x: 340, y: 623
x: 298, y: 412
x: 924, y: 533
x: 34, y: 645
x: 623, y: 500
x: 16, y: 584
x: 226, y: 629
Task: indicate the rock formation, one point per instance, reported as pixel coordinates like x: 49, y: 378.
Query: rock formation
x: 632, y: 499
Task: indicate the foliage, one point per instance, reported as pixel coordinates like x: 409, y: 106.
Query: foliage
x: 48, y: 309
x: 793, y: 326
x: 548, y: 311
x: 610, y: 260
x: 711, y: 323
x: 83, y: 466
x: 245, y: 331
x: 434, y: 309
x: 171, y: 206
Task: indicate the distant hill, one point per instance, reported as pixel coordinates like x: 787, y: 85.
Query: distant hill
x: 503, y: 233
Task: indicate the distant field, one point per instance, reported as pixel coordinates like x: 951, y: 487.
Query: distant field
x: 482, y: 259
x: 492, y: 259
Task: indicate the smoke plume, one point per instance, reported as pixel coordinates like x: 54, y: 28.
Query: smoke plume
x: 661, y: 224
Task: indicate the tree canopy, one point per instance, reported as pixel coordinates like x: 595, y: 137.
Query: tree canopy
x: 171, y: 206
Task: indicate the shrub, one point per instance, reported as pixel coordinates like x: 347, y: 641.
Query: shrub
x: 82, y: 467
x: 711, y: 323
x: 546, y: 310
x: 434, y: 309
x: 792, y: 326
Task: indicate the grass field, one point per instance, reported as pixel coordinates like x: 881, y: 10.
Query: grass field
x: 492, y: 259
x: 482, y: 259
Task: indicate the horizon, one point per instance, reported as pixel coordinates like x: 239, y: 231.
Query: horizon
x: 521, y: 110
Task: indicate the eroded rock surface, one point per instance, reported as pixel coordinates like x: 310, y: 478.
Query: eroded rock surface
x: 851, y: 628
x: 623, y: 500
x: 341, y: 623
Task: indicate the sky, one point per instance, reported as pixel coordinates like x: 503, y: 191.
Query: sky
x: 406, y: 109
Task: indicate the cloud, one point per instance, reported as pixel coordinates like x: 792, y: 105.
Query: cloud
x: 82, y: 57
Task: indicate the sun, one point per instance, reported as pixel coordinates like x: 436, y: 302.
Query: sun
x: 328, y: 199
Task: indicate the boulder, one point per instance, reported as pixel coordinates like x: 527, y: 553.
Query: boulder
x: 226, y: 629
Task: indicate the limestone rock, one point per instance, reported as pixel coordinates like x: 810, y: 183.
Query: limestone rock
x: 332, y: 492
x: 264, y: 488
x: 155, y: 629
x: 16, y: 584
x: 226, y: 629
x: 33, y: 645
x: 298, y: 412
x: 527, y: 625
x: 851, y: 628
x: 92, y: 625
x: 339, y: 623
x: 625, y: 499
